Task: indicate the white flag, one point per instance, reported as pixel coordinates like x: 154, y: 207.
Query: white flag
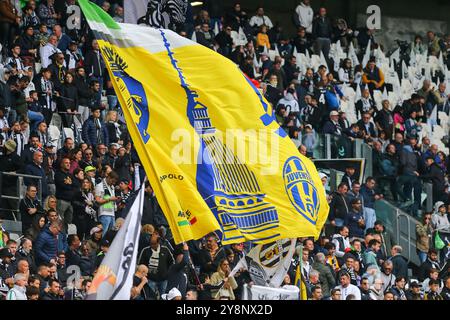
x: 366, y: 57
x: 358, y: 94
x: 323, y: 61
x: 385, y: 95
x: 268, y: 263
x: 114, y: 278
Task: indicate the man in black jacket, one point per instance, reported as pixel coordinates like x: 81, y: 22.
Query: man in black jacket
x: 30, y: 148
x: 367, y: 127
x: 400, y: 265
x: 10, y: 162
x: 94, y: 64
x: 36, y: 169
x: 431, y: 262
x: 152, y: 213
x: 58, y: 71
x: 385, y: 119
x: 65, y: 189
x: 322, y: 33
x: 54, y: 292
x: 210, y: 256
x: 73, y: 255
x: 435, y: 174
x: 29, y: 207
x: 158, y: 259
x: 176, y: 276
x: 339, y: 206
x: 84, y: 93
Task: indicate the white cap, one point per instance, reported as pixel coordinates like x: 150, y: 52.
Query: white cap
x: 322, y: 175
x: 173, y: 293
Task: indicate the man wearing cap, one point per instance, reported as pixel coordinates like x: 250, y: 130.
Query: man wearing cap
x: 73, y: 57
x: 6, y: 270
x: 18, y: 292
x: 332, y: 126
x: 94, y: 130
x: 174, y: 294
x: 414, y: 292
x: 90, y: 173
x: 10, y: 162
x: 105, y: 196
x: 6, y: 99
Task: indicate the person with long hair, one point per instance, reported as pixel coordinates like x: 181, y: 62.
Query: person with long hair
x: 50, y: 203
x: 114, y: 127
x: 345, y: 72
x: 399, y: 119
x: 229, y: 283
x: 37, y: 225
x: 69, y: 98
x: 75, y: 156
x: 85, y: 215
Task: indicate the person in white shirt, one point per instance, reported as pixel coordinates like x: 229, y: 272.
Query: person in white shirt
x: 305, y: 16
x: 290, y: 102
x: 347, y: 288
x: 48, y: 50
x: 18, y: 292
x: 260, y: 19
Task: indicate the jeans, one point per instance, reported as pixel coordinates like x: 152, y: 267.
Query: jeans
x: 407, y: 184
x: 35, y: 118
x: 369, y: 217
x: 158, y: 286
x: 12, y: 116
x: 422, y: 256
x: 84, y: 113
x: 107, y: 223
x: 65, y: 210
x: 322, y: 44
x: 112, y: 102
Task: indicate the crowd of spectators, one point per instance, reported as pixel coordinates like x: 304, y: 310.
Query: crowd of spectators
x: 51, y: 73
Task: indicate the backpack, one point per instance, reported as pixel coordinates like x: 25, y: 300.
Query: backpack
x: 332, y: 100
x: 387, y: 168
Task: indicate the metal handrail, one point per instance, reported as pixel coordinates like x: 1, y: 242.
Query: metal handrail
x: 20, y: 175
x: 400, y: 215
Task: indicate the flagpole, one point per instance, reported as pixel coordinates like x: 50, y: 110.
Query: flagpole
x: 300, y: 263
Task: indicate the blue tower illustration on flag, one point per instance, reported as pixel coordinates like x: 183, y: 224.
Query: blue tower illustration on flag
x: 228, y: 186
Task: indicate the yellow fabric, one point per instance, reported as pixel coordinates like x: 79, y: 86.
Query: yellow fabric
x: 298, y: 276
x: 273, y: 197
x: 262, y: 39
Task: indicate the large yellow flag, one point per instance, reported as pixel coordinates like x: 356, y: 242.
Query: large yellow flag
x: 207, y: 138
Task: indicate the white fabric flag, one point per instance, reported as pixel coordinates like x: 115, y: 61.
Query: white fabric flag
x: 114, y: 278
x: 216, y: 28
x: 266, y: 293
x: 268, y: 263
x: 133, y: 10
x: 366, y: 57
